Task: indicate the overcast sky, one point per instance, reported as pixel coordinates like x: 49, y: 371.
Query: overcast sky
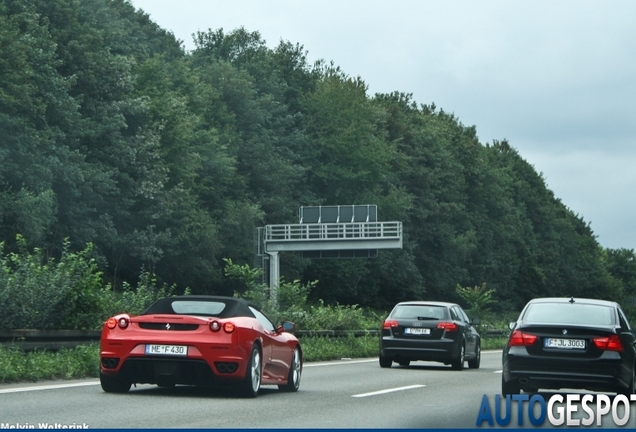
x: 556, y: 79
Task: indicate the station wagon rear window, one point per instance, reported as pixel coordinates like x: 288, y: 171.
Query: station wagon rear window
x: 421, y: 312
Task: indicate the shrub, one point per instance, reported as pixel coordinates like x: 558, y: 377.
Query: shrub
x: 41, y: 293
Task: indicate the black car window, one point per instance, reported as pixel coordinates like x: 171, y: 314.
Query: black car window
x: 421, y: 312
x: 265, y: 322
x: 455, y: 315
x: 624, y: 321
x: 463, y: 314
x: 569, y: 313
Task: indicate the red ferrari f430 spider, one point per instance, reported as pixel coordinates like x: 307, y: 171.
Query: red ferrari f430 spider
x: 202, y: 341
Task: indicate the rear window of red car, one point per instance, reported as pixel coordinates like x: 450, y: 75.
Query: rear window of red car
x: 189, y: 307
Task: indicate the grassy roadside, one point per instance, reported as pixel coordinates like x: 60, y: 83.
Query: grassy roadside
x: 83, y: 361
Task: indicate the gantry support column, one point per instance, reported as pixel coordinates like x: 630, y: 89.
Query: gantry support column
x: 274, y: 276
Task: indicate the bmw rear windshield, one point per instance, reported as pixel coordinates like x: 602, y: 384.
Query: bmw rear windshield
x: 569, y: 313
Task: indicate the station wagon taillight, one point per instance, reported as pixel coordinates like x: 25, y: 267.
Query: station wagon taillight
x: 386, y: 325
x: 519, y: 338
x: 611, y: 343
x: 448, y: 326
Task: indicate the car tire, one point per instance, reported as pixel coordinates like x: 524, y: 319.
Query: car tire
x: 252, y: 382
x: 404, y: 363
x: 458, y: 362
x: 295, y: 371
x: 511, y: 387
x: 474, y: 362
x: 385, y: 362
x: 631, y: 388
x: 113, y: 384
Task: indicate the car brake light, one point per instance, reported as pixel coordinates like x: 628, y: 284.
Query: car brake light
x: 111, y: 323
x: 386, y: 325
x: 519, y: 338
x: 448, y: 326
x: 228, y: 327
x: 612, y: 343
x: 123, y: 322
x: 215, y: 326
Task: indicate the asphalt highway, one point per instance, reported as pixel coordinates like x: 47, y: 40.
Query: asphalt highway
x: 338, y: 394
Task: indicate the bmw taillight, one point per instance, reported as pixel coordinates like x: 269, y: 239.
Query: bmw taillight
x: 519, y: 338
x: 386, y: 325
x: 448, y: 326
x: 611, y: 343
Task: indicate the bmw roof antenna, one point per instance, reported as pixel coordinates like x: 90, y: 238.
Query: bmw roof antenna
x: 571, y: 299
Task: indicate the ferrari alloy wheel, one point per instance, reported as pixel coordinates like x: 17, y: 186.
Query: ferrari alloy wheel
x: 458, y: 363
x: 295, y: 370
x: 385, y: 362
x: 112, y: 384
x: 252, y: 383
x: 474, y: 363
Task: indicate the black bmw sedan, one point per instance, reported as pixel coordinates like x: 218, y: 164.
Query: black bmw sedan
x: 570, y: 343
x: 430, y: 331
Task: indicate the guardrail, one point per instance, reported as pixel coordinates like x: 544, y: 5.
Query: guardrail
x: 53, y: 340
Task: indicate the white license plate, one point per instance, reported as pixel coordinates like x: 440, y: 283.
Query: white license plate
x: 176, y: 350
x: 564, y: 343
x: 417, y: 331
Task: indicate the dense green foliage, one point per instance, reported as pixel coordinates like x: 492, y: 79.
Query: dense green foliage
x: 111, y: 135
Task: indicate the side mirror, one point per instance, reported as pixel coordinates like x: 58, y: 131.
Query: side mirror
x: 512, y: 325
x: 475, y: 321
x: 286, y: 326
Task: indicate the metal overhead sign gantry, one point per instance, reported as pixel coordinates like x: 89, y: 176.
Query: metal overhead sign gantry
x: 329, y: 232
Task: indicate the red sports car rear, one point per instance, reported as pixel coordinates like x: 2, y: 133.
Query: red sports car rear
x: 202, y: 341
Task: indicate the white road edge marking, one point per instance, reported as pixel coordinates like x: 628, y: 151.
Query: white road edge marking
x: 389, y: 390
x: 47, y: 387
x: 337, y: 363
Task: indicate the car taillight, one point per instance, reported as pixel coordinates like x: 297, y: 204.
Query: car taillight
x: 519, y: 338
x: 228, y: 327
x: 215, y: 326
x: 386, y: 325
x: 111, y: 323
x: 123, y: 322
x: 612, y: 343
x: 448, y: 326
